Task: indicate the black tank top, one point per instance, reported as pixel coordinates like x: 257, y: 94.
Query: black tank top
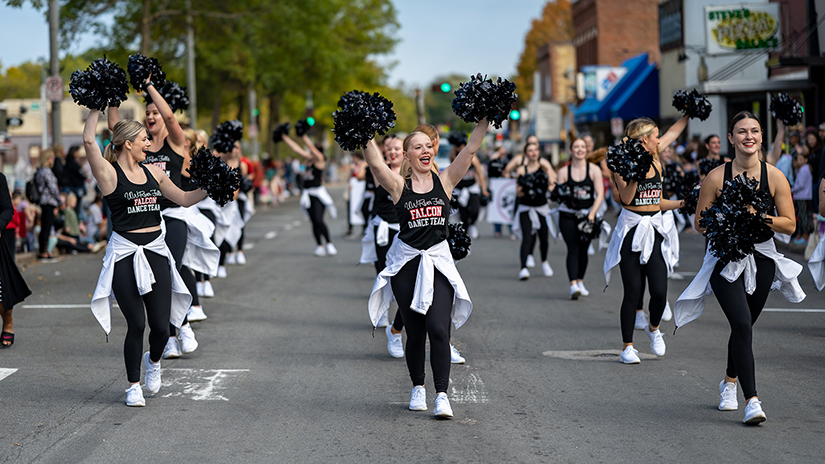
x: 763, y: 182
x: 312, y: 177
x: 169, y: 162
x: 423, y: 216
x: 369, y: 180
x: 582, y: 194
x: 648, y: 191
x: 383, y: 206
x: 537, y: 195
x: 468, y: 179
x: 134, y: 206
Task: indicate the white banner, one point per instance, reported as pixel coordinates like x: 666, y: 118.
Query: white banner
x: 502, y: 205
x: 356, y: 197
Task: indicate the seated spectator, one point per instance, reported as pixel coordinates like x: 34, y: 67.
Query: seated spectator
x: 95, y: 221
x: 68, y: 237
x: 10, y: 234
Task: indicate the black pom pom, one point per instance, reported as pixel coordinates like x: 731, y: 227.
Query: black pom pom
x: 588, y: 230
x: 689, y: 179
x: 101, y: 85
x: 691, y: 199
x: 630, y: 160
x: 281, y: 130
x: 212, y: 174
x: 302, y: 127
x: 786, y: 109
x: 225, y: 135
x: 481, y: 98
x: 360, y: 116
x: 708, y: 164
x: 454, y: 204
x: 140, y: 67
x: 246, y: 184
x: 484, y: 200
x: 672, y: 179
x: 693, y: 104
x: 459, y: 241
x: 457, y: 139
x: 534, y: 185
x: 731, y: 229
x: 561, y: 194
x: 174, y: 95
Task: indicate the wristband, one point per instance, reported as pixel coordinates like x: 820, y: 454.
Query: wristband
x: 764, y: 218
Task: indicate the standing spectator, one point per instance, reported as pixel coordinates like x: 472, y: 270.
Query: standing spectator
x: 46, y: 183
x: 77, y: 177
x: 801, y: 193
x: 814, y: 145
x: 59, y: 169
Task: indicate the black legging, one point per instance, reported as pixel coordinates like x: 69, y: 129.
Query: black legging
x: 46, y: 223
x: 435, y: 324
x: 176, y: 236
x: 469, y: 213
x: 633, y: 275
x: 528, y: 239
x: 316, y: 215
x: 742, y: 310
x: 576, y: 246
x: 157, y: 305
x: 242, y: 209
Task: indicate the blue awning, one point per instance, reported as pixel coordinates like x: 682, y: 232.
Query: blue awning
x: 635, y: 95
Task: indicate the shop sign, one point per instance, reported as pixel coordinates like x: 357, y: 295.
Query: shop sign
x: 743, y: 27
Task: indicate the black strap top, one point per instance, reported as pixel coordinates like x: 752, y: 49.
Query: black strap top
x: 312, y: 177
x: 582, y: 193
x: 468, y: 179
x: 423, y: 216
x: 763, y: 182
x: 369, y: 180
x: 383, y: 206
x: 648, y: 192
x: 533, y: 188
x: 134, y: 206
x: 169, y: 162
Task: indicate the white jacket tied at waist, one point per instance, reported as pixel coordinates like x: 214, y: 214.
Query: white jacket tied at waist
x: 817, y: 264
x: 368, y: 252
x: 120, y: 248
x: 691, y: 302
x: 200, y: 254
x: 322, y: 194
x: 436, y: 257
x: 643, y: 240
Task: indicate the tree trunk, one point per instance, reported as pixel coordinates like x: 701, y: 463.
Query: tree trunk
x: 216, y: 107
x: 241, y: 107
x: 145, y: 28
x: 274, y: 118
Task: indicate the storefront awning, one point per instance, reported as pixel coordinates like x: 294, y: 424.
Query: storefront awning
x: 635, y: 95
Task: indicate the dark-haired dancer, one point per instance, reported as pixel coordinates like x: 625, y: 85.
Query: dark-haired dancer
x: 315, y: 199
x: 138, y: 268
x: 742, y: 287
x: 641, y: 242
x: 421, y: 272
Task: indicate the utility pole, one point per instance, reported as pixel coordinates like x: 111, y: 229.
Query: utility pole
x: 419, y: 105
x: 44, y: 112
x: 190, y: 68
x: 54, y: 68
x: 252, y: 131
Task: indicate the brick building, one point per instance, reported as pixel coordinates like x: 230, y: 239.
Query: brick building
x: 608, y: 32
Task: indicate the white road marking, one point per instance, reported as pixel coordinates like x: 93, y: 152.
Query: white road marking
x: 471, y: 390
x: 271, y: 235
x: 198, y: 384
x: 796, y: 310
x: 593, y: 355
x: 296, y: 223
x: 288, y: 227
x: 57, y: 306
x: 248, y: 246
x: 4, y: 372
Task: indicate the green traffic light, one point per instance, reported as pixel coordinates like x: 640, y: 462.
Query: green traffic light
x: 515, y: 115
x: 445, y: 87
x: 255, y: 112
x: 311, y: 121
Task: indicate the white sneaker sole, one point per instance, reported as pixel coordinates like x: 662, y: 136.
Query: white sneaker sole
x: 756, y: 419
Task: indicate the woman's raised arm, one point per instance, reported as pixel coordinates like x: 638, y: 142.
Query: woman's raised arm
x: 103, y: 170
x: 456, y: 170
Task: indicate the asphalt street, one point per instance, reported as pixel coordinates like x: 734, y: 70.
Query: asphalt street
x: 289, y: 370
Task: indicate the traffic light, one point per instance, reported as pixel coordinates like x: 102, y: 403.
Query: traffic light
x: 310, y: 121
x: 515, y: 115
x: 444, y: 87
x: 310, y: 116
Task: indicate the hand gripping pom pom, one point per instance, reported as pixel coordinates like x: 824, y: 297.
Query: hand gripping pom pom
x: 561, y: 194
x: 457, y: 139
x: 302, y: 128
x: 708, y: 164
x: 630, y: 160
x: 459, y: 241
x: 140, y: 68
x: 212, y: 174
x: 732, y: 230
x: 174, y: 95
x: 360, y: 116
x: 588, y: 229
x: 786, y: 109
x: 691, y: 200
x: 484, y: 200
x: 103, y: 84
x: 225, y: 136
x: 693, y: 104
x: 280, y: 131
x: 481, y: 98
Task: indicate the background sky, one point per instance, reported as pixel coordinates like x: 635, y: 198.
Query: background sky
x: 437, y: 37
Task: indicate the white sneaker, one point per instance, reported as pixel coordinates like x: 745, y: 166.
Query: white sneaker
x: 134, y: 396
x: 668, y: 314
x: 208, y: 291
x: 152, y: 379
x: 418, y: 399
x: 221, y: 272
x: 473, y: 231
x: 199, y: 288
x: 455, y: 356
x: 394, y: 344
x: 331, y: 250
x: 530, y: 261
x: 196, y: 314
x: 442, y: 406
x: 320, y: 251
x: 172, y: 349
x: 753, y: 412
x: 657, y: 341
x: 583, y: 290
x: 546, y: 269
x: 523, y: 274
x: 641, y: 320
x: 230, y: 259
x: 728, y: 393
x: 630, y: 356
x: 188, y: 343
x: 575, y: 292
x: 240, y: 258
